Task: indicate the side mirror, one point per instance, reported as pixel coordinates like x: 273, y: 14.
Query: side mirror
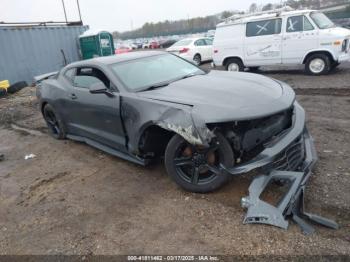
x: 100, y: 88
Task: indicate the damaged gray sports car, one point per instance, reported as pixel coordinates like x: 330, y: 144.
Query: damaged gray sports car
x: 143, y: 106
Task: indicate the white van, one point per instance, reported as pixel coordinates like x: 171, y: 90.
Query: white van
x: 281, y: 37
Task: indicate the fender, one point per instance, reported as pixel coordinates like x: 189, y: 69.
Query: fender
x: 331, y: 52
x: 172, y: 117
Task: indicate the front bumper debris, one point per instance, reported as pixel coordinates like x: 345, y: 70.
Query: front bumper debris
x: 275, y: 148
x: 292, y: 203
x: 290, y: 157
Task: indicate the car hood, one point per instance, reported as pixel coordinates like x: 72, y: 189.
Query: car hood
x: 225, y: 96
x: 336, y: 31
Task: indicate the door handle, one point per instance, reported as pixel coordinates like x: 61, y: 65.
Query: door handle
x: 73, y: 96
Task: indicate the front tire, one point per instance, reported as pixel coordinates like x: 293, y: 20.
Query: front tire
x: 196, y: 169
x: 335, y: 65
x: 54, y: 122
x: 318, y: 64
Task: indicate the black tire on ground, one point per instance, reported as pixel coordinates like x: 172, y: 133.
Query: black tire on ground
x: 197, y: 59
x: 318, y: 70
x: 3, y: 92
x: 335, y: 65
x: 254, y: 68
x: 16, y: 87
x: 208, y: 181
x: 54, y: 122
x: 234, y: 63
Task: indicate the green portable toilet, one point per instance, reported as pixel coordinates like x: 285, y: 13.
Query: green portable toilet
x: 96, y: 43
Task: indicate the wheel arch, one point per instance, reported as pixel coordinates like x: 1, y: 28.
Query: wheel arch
x: 329, y: 53
x: 153, y: 139
x: 42, y: 105
x: 159, y: 134
x: 224, y: 62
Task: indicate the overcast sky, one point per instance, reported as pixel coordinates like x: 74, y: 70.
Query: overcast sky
x: 120, y: 15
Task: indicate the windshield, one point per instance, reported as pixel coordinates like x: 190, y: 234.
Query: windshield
x: 184, y: 42
x: 141, y: 74
x: 321, y: 20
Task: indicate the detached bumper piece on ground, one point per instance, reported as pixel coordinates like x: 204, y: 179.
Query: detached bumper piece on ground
x: 289, y: 160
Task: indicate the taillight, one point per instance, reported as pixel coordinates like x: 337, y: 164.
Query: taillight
x: 184, y: 50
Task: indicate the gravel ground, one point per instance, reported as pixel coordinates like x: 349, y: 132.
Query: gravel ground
x: 74, y: 199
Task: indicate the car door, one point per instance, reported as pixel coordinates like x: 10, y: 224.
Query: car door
x: 94, y: 116
x: 299, y: 37
x: 209, y: 48
x: 263, y: 42
x: 201, y: 48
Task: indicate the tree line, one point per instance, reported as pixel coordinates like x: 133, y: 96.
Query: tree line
x: 179, y: 27
x: 203, y: 24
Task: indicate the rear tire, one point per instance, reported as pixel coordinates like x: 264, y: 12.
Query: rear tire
x: 318, y: 64
x: 16, y: 87
x: 234, y: 65
x: 54, y: 122
x: 2, y: 92
x: 254, y: 68
x: 197, y: 59
x: 183, y: 174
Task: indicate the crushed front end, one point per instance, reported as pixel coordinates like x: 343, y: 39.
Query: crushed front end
x: 285, y: 153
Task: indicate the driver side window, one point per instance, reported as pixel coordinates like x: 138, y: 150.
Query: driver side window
x: 298, y: 24
x: 87, y: 76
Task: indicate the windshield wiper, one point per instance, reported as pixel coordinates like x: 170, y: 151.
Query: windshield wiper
x: 155, y: 86
x: 163, y: 84
x: 190, y: 75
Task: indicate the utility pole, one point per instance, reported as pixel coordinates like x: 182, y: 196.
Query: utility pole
x: 64, y: 9
x: 79, y: 11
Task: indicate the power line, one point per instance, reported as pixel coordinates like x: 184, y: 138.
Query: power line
x: 64, y: 9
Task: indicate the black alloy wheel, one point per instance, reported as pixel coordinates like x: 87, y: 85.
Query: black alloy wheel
x: 197, y: 168
x: 53, y: 122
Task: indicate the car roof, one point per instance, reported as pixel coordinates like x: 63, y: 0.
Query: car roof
x: 113, y: 59
x: 258, y: 17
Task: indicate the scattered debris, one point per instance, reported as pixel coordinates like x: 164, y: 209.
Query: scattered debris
x: 327, y: 151
x: 16, y: 87
x: 291, y: 204
x: 30, y: 156
x: 26, y: 130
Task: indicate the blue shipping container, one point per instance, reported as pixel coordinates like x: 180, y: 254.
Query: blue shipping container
x: 26, y: 52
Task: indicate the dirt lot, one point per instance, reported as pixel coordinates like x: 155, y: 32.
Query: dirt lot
x: 74, y: 199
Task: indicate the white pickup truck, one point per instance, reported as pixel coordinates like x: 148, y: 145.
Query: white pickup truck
x: 281, y: 37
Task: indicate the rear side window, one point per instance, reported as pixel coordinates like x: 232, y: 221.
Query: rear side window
x: 200, y: 42
x: 209, y: 41
x: 265, y: 27
x: 298, y: 24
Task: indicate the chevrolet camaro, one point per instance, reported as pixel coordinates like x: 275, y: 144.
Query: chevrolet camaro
x: 143, y: 106
x: 208, y: 127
